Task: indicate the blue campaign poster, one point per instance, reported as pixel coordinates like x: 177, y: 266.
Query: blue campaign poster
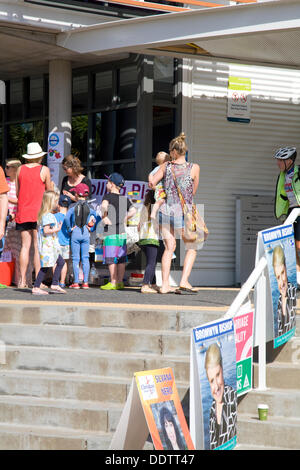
x: 279, y: 245
x: 216, y: 361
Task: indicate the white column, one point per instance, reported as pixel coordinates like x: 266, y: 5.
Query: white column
x: 60, y: 102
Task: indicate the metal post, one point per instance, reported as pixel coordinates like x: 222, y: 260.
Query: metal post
x: 262, y: 325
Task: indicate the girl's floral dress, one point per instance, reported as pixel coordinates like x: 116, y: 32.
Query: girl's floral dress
x: 49, y: 247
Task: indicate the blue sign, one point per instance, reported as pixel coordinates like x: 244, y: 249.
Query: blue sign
x: 53, y: 140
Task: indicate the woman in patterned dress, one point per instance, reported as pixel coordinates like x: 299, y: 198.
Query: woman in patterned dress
x: 171, y: 218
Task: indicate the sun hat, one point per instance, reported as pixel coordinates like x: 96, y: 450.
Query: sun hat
x: 34, y: 150
x: 117, y: 179
x: 81, y: 189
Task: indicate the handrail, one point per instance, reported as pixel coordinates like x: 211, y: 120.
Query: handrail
x: 257, y: 275
x: 254, y: 276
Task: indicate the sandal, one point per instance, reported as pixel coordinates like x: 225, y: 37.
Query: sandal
x: 170, y: 291
x: 22, y: 286
x: 188, y: 290
x: 145, y: 289
x: 39, y: 291
x: 58, y: 289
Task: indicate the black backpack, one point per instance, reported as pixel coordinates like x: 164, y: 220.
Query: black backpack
x: 81, y: 212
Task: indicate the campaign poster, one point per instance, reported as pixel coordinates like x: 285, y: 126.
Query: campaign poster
x: 163, y: 411
x: 243, y: 326
x: 135, y: 190
x: 215, y: 352
x: 279, y: 246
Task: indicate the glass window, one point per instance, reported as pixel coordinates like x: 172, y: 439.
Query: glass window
x: 19, y: 135
x: 114, y: 141
x: 163, y: 128
x: 80, y: 136
x: 36, y: 96
x: 16, y: 99
x: 103, y: 89
x: 128, y: 84
x: 164, y: 79
x: 80, y: 93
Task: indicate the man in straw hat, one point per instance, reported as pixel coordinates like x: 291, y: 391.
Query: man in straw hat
x: 32, y: 180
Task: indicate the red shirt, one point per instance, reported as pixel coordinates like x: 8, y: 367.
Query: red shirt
x: 31, y: 190
x: 3, y: 184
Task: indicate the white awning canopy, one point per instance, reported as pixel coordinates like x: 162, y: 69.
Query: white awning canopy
x: 267, y: 32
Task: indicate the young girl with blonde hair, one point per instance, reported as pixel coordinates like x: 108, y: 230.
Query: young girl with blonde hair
x: 49, y: 247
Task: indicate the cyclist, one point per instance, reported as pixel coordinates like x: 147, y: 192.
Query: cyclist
x: 287, y: 195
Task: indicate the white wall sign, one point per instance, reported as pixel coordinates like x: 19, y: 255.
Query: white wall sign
x: 239, y: 99
x: 55, y: 154
x: 2, y: 92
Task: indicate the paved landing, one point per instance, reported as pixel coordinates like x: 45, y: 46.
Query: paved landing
x: 213, y: 297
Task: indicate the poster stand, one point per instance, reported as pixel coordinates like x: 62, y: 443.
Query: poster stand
x: 132, y: 430
x: 153, y: 406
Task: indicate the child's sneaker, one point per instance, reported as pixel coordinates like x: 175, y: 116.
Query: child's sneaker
x: 74, y: 286
x: 109, y: 286
x: 85, y: 285
x: 120, y: 285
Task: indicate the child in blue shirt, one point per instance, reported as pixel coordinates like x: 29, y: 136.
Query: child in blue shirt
x: 63, y: 236
x: 80, y: 221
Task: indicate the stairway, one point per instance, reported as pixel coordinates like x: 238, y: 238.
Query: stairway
x: 282, y: 429
x: 68, y: 370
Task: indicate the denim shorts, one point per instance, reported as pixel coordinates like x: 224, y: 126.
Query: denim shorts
x: 171, y: 220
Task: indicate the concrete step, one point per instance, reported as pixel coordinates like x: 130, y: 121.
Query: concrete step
x: 30, y: 437
x: 69, y: 386
x: 98, y: 339
x: 97, y: 363
x: 72, y: 414
x: 276, y: 432
x: 256, y: 447
x: 166, y: 317
x: 285, y: 403
x: 282, y: 375
x: 289, y: 352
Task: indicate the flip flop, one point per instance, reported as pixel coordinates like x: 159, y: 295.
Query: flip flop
x: 40, y: 292
x: 188, y: 290
x: 167, y: 292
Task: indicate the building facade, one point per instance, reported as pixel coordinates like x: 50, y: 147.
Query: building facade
x: 117, y: 110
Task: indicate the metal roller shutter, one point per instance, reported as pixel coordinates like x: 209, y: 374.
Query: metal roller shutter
x: 234, y: 158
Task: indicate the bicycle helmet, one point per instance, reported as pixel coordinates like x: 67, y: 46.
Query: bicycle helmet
x: 286, y: 152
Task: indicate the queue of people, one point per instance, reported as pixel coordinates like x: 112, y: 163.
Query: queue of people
x: 48, y: 231
x: 47, y: 228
